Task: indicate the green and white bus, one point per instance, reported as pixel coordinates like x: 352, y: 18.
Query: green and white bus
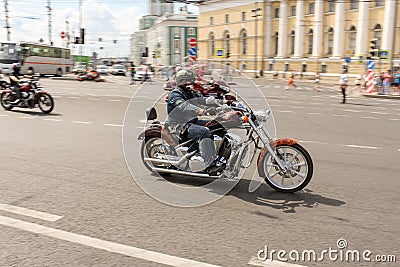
x: 38, y: 58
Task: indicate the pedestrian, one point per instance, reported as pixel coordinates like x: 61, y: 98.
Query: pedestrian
x: 397, y: 81
x: 344, y: 78
x: 317, y: 82
x: 387, y: 82
x: 291, y: 82
x: 133, y: 72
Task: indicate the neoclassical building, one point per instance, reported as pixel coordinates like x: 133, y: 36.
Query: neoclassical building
x: 303, y: 35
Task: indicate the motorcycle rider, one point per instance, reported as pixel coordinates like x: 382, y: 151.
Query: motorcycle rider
x: 183, y: 108
x: 14, y: 82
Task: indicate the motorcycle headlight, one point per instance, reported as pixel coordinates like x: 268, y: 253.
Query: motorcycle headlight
x: 262, y: 115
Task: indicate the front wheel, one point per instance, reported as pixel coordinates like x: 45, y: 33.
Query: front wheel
x: 299, y: 168
x: 46, y: 103
x: 6, y: 98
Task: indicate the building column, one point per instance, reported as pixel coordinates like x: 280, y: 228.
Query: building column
x: 282, y: 37
x: 389, y: 24
x: 362, y: 30
x: 338, y: 39
x: 318, y: 28
x: 299, y: 34
x: 268, y: 29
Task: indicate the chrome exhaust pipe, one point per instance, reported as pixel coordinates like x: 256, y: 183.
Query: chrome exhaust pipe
x: 196, y: 174
x: 162, y: 161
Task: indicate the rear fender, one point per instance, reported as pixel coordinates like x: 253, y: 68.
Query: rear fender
x: 150, y: 132
x: 6, y: 91
x: 264, y: 152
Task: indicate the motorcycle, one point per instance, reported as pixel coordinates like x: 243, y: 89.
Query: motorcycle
x: 90, y: 76
x: 32, y: 95
x: 284, y: 164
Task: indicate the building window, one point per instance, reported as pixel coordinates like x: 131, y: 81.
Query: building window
x: 293, y: 10
x: 276, y: 13
x: 353, y: 4
x: 353, y: 38
x: 212, y: 44
x: 311, y: 8
x: 191, y: 31
x: 379, y: 2
x: 226, y: 18
x: 211, y: 20
x: 243, y: 41
x: 243, y: 16
x: 227, y: 42
x: 176, y: 45
x: 292, y: 42
x: 276, y: 43
x: 330, y: 41
x: 176, y: 31
x: 310, y: 41
x: 331, y: 6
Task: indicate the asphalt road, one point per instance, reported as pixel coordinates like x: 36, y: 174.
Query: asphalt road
x: 70, y: 167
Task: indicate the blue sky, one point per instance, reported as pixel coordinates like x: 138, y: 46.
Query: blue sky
x: 110, y: 20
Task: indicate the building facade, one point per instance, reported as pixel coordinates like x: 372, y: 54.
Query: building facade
x: 159, y: 8
x: 304, y: 35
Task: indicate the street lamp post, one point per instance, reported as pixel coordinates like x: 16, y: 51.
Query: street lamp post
x: 255, y: 15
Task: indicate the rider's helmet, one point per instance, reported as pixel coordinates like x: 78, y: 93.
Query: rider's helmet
x: 185, y: 77
x: 16, y: 67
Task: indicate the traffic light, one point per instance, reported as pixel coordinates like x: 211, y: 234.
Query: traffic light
x: 115, y: 41
x: 82, y: 40
x: 228, y: 54
x: 374, y: 48
x: 154, y: 54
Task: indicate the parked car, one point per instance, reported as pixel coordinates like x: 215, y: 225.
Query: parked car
x: 79, y: 68
x: 102, y: 69
x: 139, y: 76
x: 118, y: 69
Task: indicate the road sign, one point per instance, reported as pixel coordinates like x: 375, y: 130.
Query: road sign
x: 62, y: 35
x: 220, y: 52
x: 193, y: 58
x: 371, y: 64
x: 193, y: 51
x: 347, y: 60
x: 384, y: 54
x: 192, y: 42
x: 349, y: 52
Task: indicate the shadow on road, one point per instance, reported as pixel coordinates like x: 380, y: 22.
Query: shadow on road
x: 36, y: 113
x: 265, y: 196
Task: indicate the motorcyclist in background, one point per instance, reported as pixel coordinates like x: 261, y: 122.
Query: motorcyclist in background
x: 14, y: 82
x: 183, y: 108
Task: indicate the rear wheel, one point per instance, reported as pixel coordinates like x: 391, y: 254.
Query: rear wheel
x: 6, y: 98
x: 153, y: 148
x: 299, y: 168
x: 46, y: 103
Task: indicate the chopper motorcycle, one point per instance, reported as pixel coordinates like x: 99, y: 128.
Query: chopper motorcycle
x: 32, y: 96
x: 284, y: 164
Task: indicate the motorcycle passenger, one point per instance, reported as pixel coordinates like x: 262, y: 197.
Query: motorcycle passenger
x: 183, y: 108
x: 14, y: 82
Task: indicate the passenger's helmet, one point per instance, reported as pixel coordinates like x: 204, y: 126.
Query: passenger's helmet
x: 185, y: 77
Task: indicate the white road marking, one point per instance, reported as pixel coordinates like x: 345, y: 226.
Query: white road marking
x: 377, y: 112
x: 31, y: 213
x: 373, y: 118
x: 335, y: 115
x: 311, y: 113
x: 26, y: 117
x: 94, y: 99
x: 136, y: 101
x: 4, y: 115
x: 74, y: 97
x: 143, y: 121
x: 268, y: 263
x: 83, y: 122
x: 368, y: 147
x: 52, y: 120
x: 395, y: 119
x: 114, y: 125
x: 295, y: 107
x: 314, y: 142
x: 92, y: 242
x: 114, y: 100
x: 350, y: 110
